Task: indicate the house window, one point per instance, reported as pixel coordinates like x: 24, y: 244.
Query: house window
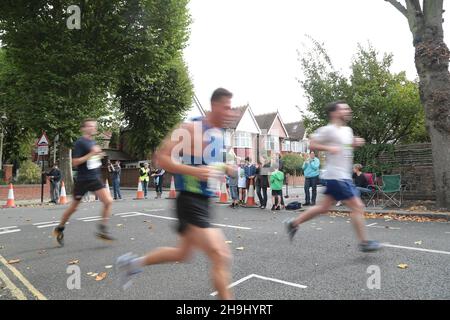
x: 227, y: 138
x: 295, y: 146
x: 243, y: 139
x: 272, y: 143
x: 286, y: 146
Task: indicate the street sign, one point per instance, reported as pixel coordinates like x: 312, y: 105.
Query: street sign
x: 43, y: 140
x: 43, y: 150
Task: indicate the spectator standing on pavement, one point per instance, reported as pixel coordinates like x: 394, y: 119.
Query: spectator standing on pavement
x: 115, y: 170
x: 55, y: 179
x: 276, y: 184
x: 250, y: 172
x: 311, y: 171
x: 262, y: 183
x: 158, y: 176
x: 242, y: 183
x: 144, y: 176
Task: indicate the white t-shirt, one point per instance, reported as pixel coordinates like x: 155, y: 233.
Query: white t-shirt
x: 337, y: 166
x: 242, y: 181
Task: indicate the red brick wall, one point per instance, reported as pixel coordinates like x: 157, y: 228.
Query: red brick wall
x: 25, y: 192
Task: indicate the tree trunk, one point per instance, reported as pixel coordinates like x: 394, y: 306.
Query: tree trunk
x: 432, y: 56
x: 66, y: 167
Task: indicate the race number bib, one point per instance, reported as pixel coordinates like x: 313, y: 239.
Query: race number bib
x: 94, y: 163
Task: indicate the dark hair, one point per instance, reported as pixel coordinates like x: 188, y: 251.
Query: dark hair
x: 83, y: 123
x: 219, y: 93
x: 311, y: 151
x: 332, y: 107
x: 247, y: 159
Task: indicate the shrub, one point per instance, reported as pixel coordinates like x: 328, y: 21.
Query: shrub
x: 29, y: 173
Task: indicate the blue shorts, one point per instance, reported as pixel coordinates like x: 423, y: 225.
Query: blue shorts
x: 234, y: 193
x: 341, y: 189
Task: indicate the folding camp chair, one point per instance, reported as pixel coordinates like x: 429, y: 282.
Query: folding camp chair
x: 392, y: 189
x: 370, y: 199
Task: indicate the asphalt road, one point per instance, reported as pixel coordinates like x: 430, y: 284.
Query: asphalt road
x: 321, y: 263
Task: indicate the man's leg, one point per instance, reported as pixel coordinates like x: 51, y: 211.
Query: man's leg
x: 212, y: 242
x: 118, y: 189
x: 322, y: 207
x: 314, y: 190
x: 264, y: 191
x: 105, y: 197
x: 258, y: 193
x: 307, y: 186
x: 52, y: 191
x: 168, y: 254
x: 357, y: 216
x: 69, y: 211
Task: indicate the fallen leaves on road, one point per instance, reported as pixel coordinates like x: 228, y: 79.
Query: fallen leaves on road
x: 402, y: 266
x: 2, y: 247
x: 391, y: 216
x: 74, y: 262
x: 132, y: 239
x: 42, y: 251
x: 240, y: 248
x: 101, y: 276
x: 108, y: 267
x: 119, y: 225
x: 13, y: 261
x: 319, y: 229
x: 228, y: 241
x: 417, y: 208
x: 418, y: 242
x: 89, y: 273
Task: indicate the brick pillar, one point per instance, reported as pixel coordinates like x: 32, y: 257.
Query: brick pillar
x: 7, y: 172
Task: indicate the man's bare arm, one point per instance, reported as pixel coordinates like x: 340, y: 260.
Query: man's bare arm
x: 165, y: 159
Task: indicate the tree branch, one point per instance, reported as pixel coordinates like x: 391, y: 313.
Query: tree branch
x: 398, y: 6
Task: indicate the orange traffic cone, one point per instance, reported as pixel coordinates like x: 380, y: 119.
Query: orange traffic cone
x: 140, y: 192
x: 223, y: 192
x: 251, y: 196
x: 10, y: 202
x: 172, y: 192
x: 218, y: 189
x: 63, y: 195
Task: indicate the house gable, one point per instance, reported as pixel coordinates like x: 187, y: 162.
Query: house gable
x: 248, y: 123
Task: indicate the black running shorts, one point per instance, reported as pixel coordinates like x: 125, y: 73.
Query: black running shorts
x: 192, y: 209
x: 82, y: 187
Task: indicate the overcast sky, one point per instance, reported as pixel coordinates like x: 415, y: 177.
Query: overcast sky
x: 250, y: 46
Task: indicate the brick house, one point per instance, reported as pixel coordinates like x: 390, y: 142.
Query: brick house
x: 297, y: 141
x: 273, y: 133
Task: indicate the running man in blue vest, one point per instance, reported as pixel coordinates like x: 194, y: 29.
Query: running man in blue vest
x: 203, y: 152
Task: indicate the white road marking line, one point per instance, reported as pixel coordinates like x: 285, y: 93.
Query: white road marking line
x: 161, y: 217
x: 215, y: 224
x: 235, y: 283
x: 48, y: 225
x: 122, y: 213
x: 229, y: 226
x: 281, y: 281
x: 372, y: 224
x: 6, y: 228
x: 131, y: 215
x: 154, y: 210
x: 412, y: 248
x: 262, y: 278
x: 9, y: 231
x: 385, y: 227
x: 47, y: 222
x: 86, y: 218
x: 90, y: 220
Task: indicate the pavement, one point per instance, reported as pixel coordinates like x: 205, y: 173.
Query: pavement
x: 322, y: 262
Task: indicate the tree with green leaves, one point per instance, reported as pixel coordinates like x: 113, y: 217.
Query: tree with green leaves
x: 432, y: 63
x: 386, y: 106
x: 63, y: 75
x: 154, y: 96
